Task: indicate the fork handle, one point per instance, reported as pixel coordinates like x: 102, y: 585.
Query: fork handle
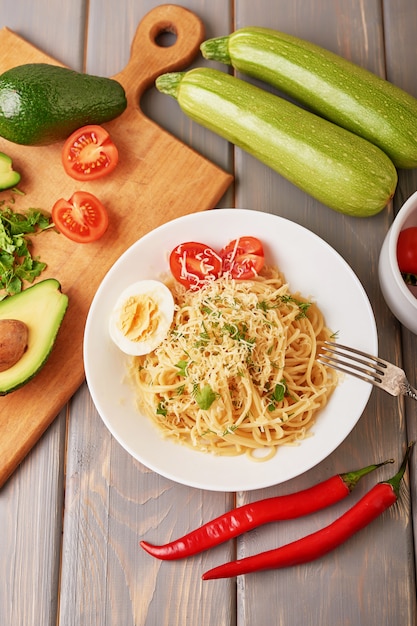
x: 410, y: 391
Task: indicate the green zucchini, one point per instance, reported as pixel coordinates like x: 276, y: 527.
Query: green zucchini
x: 327, y: 84
x: 338, y: 168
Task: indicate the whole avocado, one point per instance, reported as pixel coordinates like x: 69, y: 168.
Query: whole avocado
x: 41, y: 104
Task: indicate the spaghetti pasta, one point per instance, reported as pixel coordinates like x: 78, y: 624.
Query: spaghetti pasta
x: 237, y: 374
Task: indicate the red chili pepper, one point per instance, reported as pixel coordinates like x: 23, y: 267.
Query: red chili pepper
x: 249, y: 516
x: 317, y: 544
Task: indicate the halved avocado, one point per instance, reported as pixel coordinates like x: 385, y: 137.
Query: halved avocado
x: 42, y: 308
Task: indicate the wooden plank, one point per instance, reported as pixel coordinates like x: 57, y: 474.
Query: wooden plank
x: 158, y: 107
x: 401, y: 23
x: 113, y: 501
x: 31, y: 522
x: 337, y: 589
x: 31, y: 505
x: 56, y: 28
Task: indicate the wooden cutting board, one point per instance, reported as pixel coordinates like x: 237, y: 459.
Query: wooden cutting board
x: 158, y: 178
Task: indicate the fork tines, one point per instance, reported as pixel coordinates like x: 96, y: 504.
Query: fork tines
x: 352, y: 361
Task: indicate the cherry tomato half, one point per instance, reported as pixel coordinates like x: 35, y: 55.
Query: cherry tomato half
x: 82, y: 218
x: 243, y: 257
x: 407, y: 250
x: 194, y: 264
x: 89, y: 153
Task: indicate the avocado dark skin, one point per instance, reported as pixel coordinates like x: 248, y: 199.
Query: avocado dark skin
x: 41, y: 104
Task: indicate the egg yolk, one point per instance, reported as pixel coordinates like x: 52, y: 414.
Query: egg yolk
x: 139, y: 317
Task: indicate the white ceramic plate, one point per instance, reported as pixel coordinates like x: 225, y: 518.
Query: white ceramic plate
x: 311, y: 267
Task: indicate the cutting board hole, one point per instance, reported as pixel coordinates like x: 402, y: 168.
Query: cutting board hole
x: 166, y: 39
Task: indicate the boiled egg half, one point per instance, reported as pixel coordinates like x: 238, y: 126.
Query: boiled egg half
x: 142, y: 317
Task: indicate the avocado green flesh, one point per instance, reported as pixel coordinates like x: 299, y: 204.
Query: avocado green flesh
x: 8, y: 177
x: 41, y: 104
x: 42, y: 308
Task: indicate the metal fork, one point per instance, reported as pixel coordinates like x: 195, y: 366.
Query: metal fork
x: 369, y: 368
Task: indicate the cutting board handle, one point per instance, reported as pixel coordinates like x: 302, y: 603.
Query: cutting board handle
x: 149, y: 59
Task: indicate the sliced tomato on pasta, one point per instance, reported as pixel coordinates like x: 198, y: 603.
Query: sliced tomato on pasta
x: 193, y: 264
x: 243, y: 257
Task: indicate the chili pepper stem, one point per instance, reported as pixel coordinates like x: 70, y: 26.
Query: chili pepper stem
x: 352, y: 478
x: 396, y: 480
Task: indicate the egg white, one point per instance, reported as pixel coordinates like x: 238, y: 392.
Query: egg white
x: 164, y: 300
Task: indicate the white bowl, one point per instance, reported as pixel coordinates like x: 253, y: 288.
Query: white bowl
x: 311, y: 266
x: 401, y: 299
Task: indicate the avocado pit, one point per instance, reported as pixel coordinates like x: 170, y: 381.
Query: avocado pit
x: 13, y: 342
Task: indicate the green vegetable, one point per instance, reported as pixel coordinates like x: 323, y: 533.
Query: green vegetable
x: 161, y: 409
x: 182, y: 367
x: 204, y: 396
x: 16, y: 261
x: 42, y: 308
x: 277, y: 395
x: 8, y: 177
x: 327, y: 84
x: 42, y: 104
x: 410, y: 279
x: 340, y: 169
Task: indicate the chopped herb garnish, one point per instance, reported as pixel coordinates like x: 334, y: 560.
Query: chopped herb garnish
x: 277, y: 395
x: 16, y: 261
x: 303, y: 306
x: 239, y: 333
x: 205, y: 309
x: 161, y: 409
x: 263, y: 305
x: 230, y: 430
x: 182, y: 366
x: 232, y: 330
x: 207, y: 432
x: 204, y: 338
x: 266, y: 306
x: 204, y: 396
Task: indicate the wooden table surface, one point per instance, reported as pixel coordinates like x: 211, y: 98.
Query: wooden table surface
x: 72, y: 514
